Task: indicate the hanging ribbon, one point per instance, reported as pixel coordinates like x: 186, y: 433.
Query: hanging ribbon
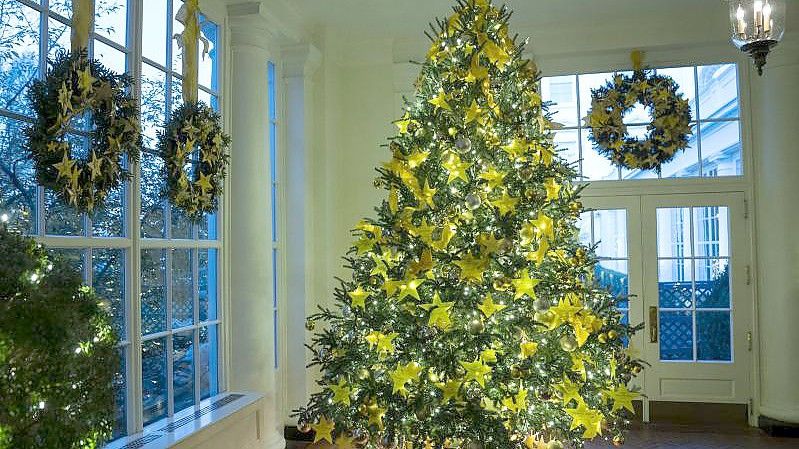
x: 190, y: 37
x: 637, y: 57
x: 82, y: 18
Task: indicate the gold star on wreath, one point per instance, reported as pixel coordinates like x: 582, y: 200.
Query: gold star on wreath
x: 65, y: 166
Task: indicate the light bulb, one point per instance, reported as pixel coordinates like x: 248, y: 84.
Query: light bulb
x: 740, y: 14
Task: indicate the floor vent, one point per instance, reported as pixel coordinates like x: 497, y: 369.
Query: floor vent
x: 137, y: 444
x: 216, y: 405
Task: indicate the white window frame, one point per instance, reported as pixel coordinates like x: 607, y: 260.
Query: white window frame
x: 131, y: 240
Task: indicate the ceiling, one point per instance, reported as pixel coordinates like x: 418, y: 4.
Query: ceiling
x: 409, y: 18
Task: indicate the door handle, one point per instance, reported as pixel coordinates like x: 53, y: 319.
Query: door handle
x: 653, y: 324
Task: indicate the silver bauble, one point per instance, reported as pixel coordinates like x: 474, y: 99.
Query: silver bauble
x: 473, y: 202
x: 526, y: 173
x: 540, y: 305
x: 568, y: 343
x: 310, y: 324
x: 463, y: 144
x: 476, y: 326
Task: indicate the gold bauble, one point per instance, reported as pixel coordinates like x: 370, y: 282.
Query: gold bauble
x: 568, y: 343
x: 363, y: 374
x: 502, y: 283
x: 613, y: 335
x: 452, y: 131
x: 575, y: 206
x: 544, y: 318
x: 304, y: 427
x: 476, y: 326
x: 526, y: 173
x: 636, y: 369
x: 378, y: 182
x: 618, y: 440
x: 555, y: 444
x: 580, y: 253
x: 515, y: 372
x: 603, y: 338
x: 310, y: 324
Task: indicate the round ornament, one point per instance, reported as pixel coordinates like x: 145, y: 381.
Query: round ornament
x: 360, y: 437
x: 388, y: 441
x: 541, y: 305
x: 310, y: 324
x: 612, y: 334
x: 463, y: 144
x: 303, y: 427
x: 618, y: 441
x: 526, y: 173
x: 194, y: 137
x: 475, y: 445
x: 78, y: 92
x: 476, y: 326
x: 568, y: 343
x: 555, y: 444
x: 667, y: 134
x: 473, y: 201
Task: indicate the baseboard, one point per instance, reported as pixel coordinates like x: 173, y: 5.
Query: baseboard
x: 699, y: 414
x: 291, y: 433
x: 777, y: 428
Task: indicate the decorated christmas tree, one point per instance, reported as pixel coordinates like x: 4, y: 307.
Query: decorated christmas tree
x: 472, y: 319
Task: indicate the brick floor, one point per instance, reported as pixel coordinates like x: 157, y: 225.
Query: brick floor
x: 677, y: 437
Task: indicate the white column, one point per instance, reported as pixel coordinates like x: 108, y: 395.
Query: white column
x: 300, y: 63
x: 776, y: 141
x: 249, y: 237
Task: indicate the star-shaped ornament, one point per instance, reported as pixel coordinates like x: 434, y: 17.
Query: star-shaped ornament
x: 439, y: 312
x: 476, y: 371
x: 402, y: 375
x: 525, y: 285
x: 323, y: 430
x: 590, y: 419
x: 489, y: 307
x: 472, y: 267
x: 358, y: 297
x: 341, y: 392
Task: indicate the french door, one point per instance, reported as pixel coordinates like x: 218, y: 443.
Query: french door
x: 684, y: 260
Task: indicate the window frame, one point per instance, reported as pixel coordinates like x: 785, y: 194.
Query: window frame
x: 131, y: 241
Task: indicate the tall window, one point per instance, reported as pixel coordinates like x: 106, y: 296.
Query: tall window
x: 273, y: 165
x: 159, y: 272
x: 714, y: 149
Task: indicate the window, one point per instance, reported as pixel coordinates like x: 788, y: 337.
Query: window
x: 714, y: 149
x: 159, y: 272
x: 274, y: 172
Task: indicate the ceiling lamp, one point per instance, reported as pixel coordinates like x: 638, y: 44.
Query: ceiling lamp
x: 757, y: 26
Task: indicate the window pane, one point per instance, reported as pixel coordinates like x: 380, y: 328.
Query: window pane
x: 181, y: 225
x: 595, y: 166
x: 208, y: 283
x: 17, y: 176
x: 568, y: 146
x: 686, y: 163
x: 177, y: 30
x: 120, y: 397
x: 721, y: 149
x: 209, y: 361
x: 152, y: 204
x: 676, y: 336
x: 110, y: 19
x: 712, y: 283
x: 182, y: 289
x: 183, y: 369
x: 589, y: 82
x: 718, y: 91
x: 686, y: 80
x: 108, y: 280
x: 711, y: 231
x: 153, y: 291
x: 674, y: 232
x: 177, y: 93
x: 209, y: 70
x: 154, y: 381
x: 58, y: 37
x: 584, y: 225
x: 154, y: 40
x: 108, y: 221
x: 109, y: 56
x: 713, y: 340
x: 153, y: 103
x: 613, y: 275
x: 562, y: 91
x: 73, y: 258
x: 61, y: 219
x: 207, y: 228
x: 63, y: 7
x: 610, y: 232
x: 674, y: 283
x: 19, y: 55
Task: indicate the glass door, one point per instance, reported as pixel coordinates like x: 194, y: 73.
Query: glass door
x: 698, y: 304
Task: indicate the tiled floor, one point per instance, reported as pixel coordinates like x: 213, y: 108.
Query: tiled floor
x: 674, y: 437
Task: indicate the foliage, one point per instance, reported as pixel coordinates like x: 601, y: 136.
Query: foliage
x: 58, y: 353
x: 472, y: 318
x: 194, y: 135
x: 668, y: 133
x: 75, y: 86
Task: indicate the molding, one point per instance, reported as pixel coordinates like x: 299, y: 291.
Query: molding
x: 301, y: 60
x: 248, y: 27
x: 784, y: 415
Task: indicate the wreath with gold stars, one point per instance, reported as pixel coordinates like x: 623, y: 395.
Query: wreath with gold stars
x: 667, y: 133
x: 79, y: 92
x: 194, y: 138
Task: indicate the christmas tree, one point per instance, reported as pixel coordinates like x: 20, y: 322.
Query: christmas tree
x: 472, y: 319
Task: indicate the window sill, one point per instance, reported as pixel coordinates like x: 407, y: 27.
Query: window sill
x: 188, y: 423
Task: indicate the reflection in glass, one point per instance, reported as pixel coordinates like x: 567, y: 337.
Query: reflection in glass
x: 17, y: 176
x: 153, y: 291
x: 109, y: 56
x: 108, y: 281
x: 209, y: 361
x: 73, y: 258
x: 108, y: 221
x: 61, y: 219
x: 676, y: 336
x: 675, y: 289
x: 19, y: 30
x: 208, y: 70
x: 610, y: 233
x: 208, y: 283
x: 182, y: 289
x: 674, y: 232
x: 154, y: 381
x: 568, y: 146
x: 153, y: 213
x: 58, y: 37
x: 562, y: 92
x: 155, y: 40
x: 110, y: 20
x: 718, y: 91
x: 613, y: 275
x: 714, y: 336
x: 120, y: 397
x: 711, y: 231
x: 713, y: 283
x: 153, y: 103
x: 596, y: 167
x: 183, y: 369
x: 721, y: 149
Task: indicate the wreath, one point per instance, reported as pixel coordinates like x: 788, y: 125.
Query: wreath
x: 77, y: 93
x: 194, y: 138
x: 667, y: 133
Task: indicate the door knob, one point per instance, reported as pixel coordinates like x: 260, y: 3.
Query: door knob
x: 653, y: 324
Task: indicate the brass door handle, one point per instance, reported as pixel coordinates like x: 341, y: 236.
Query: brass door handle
x: 653, y: 324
